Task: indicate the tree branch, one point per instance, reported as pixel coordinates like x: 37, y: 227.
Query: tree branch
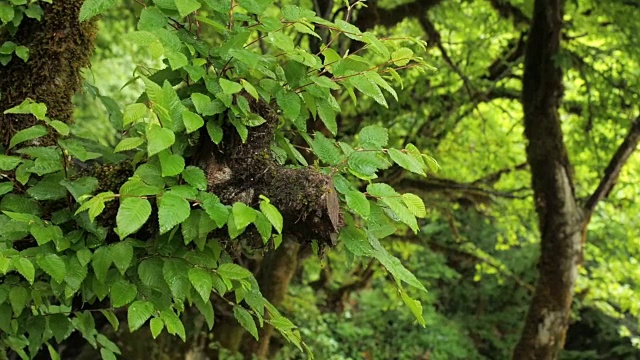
x: 613, y: 169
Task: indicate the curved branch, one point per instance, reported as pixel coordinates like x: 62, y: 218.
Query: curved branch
x: 612, y: 171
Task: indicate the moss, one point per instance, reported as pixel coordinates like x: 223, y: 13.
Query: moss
x: 59, y: 47
x: 305, y: 197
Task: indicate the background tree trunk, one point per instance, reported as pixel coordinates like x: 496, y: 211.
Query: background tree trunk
x: 560, y: 218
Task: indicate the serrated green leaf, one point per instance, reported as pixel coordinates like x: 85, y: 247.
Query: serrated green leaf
x: 195, y: 177
x: 138, y: 313
x: 122, y: 292
x: 327, y: 150
x: 6, y: 187
x: 233, y: 272
x: 192, y: 121
x: 273, y: 215
x: 18, y: 297
x: 159, y: 139
x: 91, y: 8
x: 101, y: 262
x: 328, y: 115
x: 407, y: 161
x: 28, y: 106
x: 172, y: 210
x: 230, y: 87
x: 60, y: 127
x: 27, y: 134
x: 255, y: 6
x: 358, y: 202
x: 415, y: 306
x: 54, y: 266
x: 246, y: 320
x: 355, y: 240
x: 173, y: 324
x: 202, y: 282
x: 186, y: 7
x: 290, y: 104
x: 82, y: 186
x: 9, y: 162
x: 171, y: 164
x: 156, y: 326
x: 243, y: 215
x: 25, y: 268
x: 215, y: 131
x: 122, y: 254
x: 373, y: 137
x: 415, y: 205
x: 127, y: 144
x: 369, y: 88
x: 175, y: 273
x: 402, y: 56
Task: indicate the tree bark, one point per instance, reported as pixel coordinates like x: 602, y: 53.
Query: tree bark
x: 560, y: 218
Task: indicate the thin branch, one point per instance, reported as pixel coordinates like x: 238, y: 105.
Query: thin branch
x: 613, y: 169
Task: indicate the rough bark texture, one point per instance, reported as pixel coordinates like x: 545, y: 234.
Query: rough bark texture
x: 560, y: 217
x: 59, y: 47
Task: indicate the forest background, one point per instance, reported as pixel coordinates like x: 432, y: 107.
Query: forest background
x: 525, y: 113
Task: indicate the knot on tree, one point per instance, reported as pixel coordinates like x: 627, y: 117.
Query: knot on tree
x: 242, y: 171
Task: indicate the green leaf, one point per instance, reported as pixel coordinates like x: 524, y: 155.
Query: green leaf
x: 139, y: 312
x: 29, y: 106
x: 407, y: 161
x: 246, y: 320
x: 129, y: 144
x: 197, y: 227
x: 60, y: 127
x: 205, y: 106
x: 159, y: 139
x: 233, y: 272
x: 255, y: 6
x: 25, y: 268
x: 27, y: 134
x: 173, y: 323
x: 195, y: 177
x: 53, y: 265
x: 6, y: 187
x: 8, y: 162
x: 215, y: 131
x: 327, y: 150
x: 101, y: 261
x: 365, y: 164
x: 122, y: 292
x: 186, y: 7
x: 175, y: 273
x: 156, y: 326
x: 415, y: 306
x: 373, y: 137
x: 91, y: 8
x: 355, y: 240
x: 415, y: 205
x: 171, y: 164
x: 249, y: 88
x: 395, y: 267
x: 230, y: 87
x: 192, y: 121
x: 106, y: 354
x: 369, y: 88
x: 402, y: 56
x: 122, y: 254
x: 18, y: 297
x: 243, y: 215
x: 202, y: 282
x: 290, y: 104
x: 81, y: 186
x: 328, y: 115
x: 272, y: 213
x: 172, y: 210
x: 358, y: 202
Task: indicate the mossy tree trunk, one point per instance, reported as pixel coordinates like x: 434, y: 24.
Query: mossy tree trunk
x: 59, y: 46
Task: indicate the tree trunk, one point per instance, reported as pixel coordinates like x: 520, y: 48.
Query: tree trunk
x: 560, y: 218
